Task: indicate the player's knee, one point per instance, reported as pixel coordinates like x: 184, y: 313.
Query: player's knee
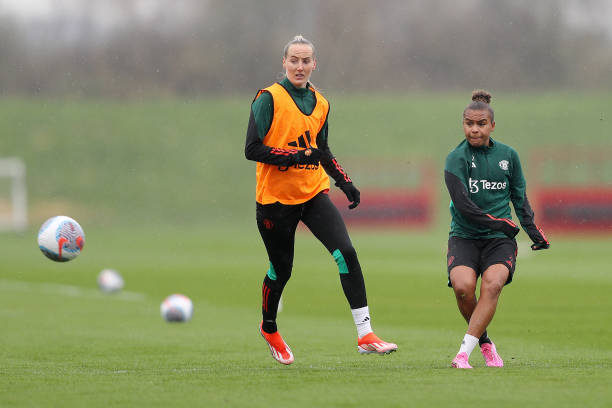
x: 493, y: 280
x: 463, y: 289
x: 346, y: 259
x: 491, y: 288
x: 349, y: 253
x: 280, y: 271
x: 463, y: 281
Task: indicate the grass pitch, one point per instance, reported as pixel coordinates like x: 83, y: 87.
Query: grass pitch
x: 66, y: 344
x: 165, y: 196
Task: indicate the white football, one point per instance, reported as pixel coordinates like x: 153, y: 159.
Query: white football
x: 61, y: 238
x: 177, y: 308
x: 109, y: 280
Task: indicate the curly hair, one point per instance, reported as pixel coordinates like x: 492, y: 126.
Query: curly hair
x: 481, y: 100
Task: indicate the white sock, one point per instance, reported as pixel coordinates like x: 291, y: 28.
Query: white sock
x: 361, y: 317
x: 468, y: 344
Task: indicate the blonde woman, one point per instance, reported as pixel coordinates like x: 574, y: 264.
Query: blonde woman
x: 287, y: 137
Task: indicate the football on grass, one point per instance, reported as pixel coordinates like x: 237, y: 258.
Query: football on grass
x: 61, y: 238
x: 109, y: 280
x: 177, y: 308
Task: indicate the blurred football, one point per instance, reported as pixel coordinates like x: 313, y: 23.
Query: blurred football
x: 109, y: 280
x: 177, y: 308
x: 61, y: 238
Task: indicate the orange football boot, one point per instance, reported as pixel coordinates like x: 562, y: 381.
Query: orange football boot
x: 370, y: 343
x: 278, y: 348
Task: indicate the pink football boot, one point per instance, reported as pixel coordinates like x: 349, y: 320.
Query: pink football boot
x: 461, y: 361
x: 490, y: 355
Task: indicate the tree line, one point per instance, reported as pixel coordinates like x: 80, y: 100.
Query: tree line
x: 192, y: 47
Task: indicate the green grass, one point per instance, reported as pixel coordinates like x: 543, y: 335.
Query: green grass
x: 182, y: 162
x: 166, y: 197
x: 65, y: 344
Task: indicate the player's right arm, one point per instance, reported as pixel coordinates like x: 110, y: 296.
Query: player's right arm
x: 456, y: 179
x: 260, y: 120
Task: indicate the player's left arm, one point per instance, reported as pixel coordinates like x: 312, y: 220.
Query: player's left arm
x: 335, y: 170
x: 260, y: 120
x: 518, y: 196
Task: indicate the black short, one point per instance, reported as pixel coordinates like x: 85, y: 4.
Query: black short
x: 479, y: 254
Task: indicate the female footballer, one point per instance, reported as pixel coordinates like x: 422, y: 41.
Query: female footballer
x: 287, y: 137
x: 482, y: 177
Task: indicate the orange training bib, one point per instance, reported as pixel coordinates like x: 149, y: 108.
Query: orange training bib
x: 292, y: 129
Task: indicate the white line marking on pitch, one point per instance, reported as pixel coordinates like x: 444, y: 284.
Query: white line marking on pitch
x: 68, y: 290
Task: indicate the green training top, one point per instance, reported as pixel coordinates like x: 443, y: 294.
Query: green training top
x: 493, y: 177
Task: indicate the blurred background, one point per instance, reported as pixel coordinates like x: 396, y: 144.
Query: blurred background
x: 130, y: 116
x: 134, y: 112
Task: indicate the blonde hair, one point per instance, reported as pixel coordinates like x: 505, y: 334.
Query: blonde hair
x: 298, y: 39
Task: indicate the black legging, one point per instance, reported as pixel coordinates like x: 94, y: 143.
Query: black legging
x: 277, y: 224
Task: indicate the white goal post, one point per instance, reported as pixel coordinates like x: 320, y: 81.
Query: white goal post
x: 13, y: 209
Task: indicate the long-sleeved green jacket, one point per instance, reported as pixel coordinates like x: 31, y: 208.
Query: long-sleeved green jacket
x: 482, y: 181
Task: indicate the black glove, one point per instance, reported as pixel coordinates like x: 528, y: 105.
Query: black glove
x: 307, y: 156
x: 353, y: 195
x: 538, y: 238
x: 540, y: 245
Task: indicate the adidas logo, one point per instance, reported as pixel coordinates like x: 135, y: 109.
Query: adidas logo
x: 367, y: 318
x: 301, y: 142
